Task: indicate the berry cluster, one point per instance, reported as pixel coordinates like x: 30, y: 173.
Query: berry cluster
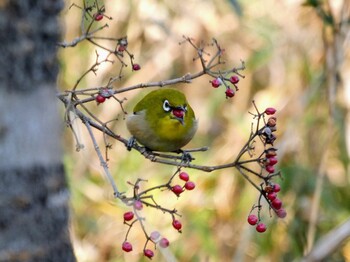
x: 267, y: 161
x: 140, y: 200
x: 276, y: 204
x: 254, y: 221
x: 154, y: 237
x: 223, y: 80
x: 271, y: 195
x: 189, y: 185
x: 268, y: 137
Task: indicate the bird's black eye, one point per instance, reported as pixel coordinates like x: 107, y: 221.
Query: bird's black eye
x: 166, y: 106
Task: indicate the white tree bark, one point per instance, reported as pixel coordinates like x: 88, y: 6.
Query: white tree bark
x: 34, y: 213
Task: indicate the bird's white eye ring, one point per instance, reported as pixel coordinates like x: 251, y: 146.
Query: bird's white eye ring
x: 166, y: 106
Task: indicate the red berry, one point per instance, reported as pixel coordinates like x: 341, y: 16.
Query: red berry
x: 177, y: 224
x: 190, y: 185
x: 230, y: 92
x: 177, y: 189
x: 271, y: 196
x: 234, y: 79
x: 164, y: 242
x: 281, y: 213
x: 252, y: 220
x: 148, y: 253
x: 216, y: 82
x: 128, y: 216
x: 276, y: 188
x: 127, y: 247
x: 184, y: 176
x: 270, y: 111
x: 261, y: 228
x: 138, y: 205
x: 100, y: 99
x: 136, y: 67
x: 272, y: 161
x: 276, y: 203
x: 98, y: 16
x: 270, y: 169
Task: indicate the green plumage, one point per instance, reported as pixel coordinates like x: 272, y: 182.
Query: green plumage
x: 163, y: 120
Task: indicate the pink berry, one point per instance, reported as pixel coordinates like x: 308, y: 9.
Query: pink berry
x: 230, y: 92
x: 164, y: 243
x: 177, y: 189
x: 276, y: 188
x: 272, y: 161
x: 281, y: 213
x: 184, y: 176
x: 136, y: 67
x: 190, y: 185
x: 138, y: 205
x: 100, y: 99
x: 98, y: 16
x: 261, y: 228
x: 148, y: 253
x: 177, y: 224
x: 128, y: 216
x: 276, y: 203
x: 271, y: 196
x: 252, y: 220
x: 270, y: 169
x: 216, y: 82
x: 270, y: 111
x: 127, y: 247
x: 155, y: 236
x: 234, y: 79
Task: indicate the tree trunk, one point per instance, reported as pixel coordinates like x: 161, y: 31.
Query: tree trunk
x: 34, y: 211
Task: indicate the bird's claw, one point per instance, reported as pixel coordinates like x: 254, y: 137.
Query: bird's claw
x: 186, y: 156
x: 130, y: 144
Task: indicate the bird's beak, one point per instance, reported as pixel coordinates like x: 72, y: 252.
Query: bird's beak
x: 179, y: 113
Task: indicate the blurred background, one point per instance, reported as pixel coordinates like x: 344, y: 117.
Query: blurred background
x: 297, y: 58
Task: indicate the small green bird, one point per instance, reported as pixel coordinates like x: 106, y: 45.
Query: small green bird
x: 163, y: 121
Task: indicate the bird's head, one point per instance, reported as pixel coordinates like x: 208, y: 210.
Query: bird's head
x: 167, y: 104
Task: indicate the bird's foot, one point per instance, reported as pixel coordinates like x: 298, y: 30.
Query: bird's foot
x: 130, y: 144
x: 186, y: 157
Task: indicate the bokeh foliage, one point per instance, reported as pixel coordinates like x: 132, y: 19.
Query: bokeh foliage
x: 284, y: 44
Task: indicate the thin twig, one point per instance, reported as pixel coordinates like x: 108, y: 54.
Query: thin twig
x: 102, y: 161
